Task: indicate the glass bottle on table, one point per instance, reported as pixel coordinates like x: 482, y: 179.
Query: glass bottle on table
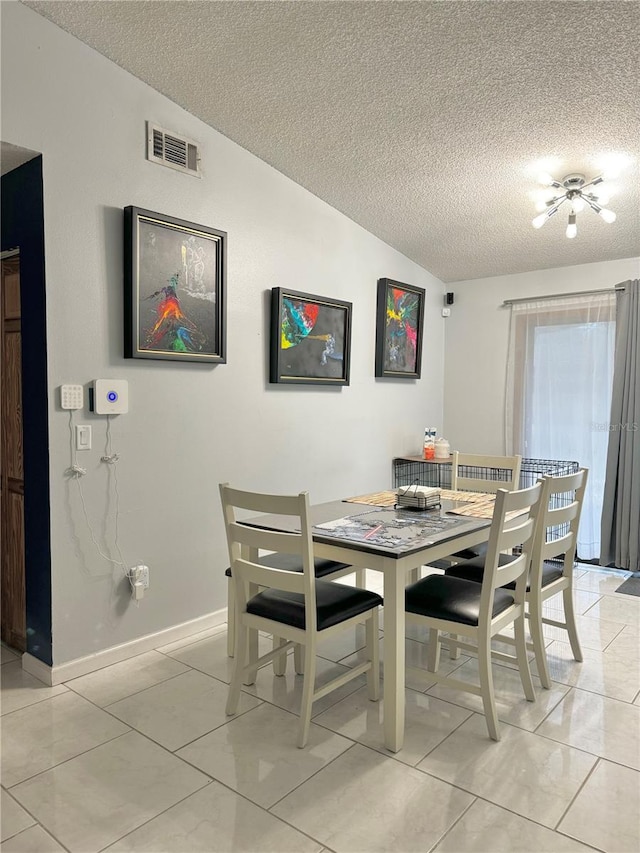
x: 429, y: 449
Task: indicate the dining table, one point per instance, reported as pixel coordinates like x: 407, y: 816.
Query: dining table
x: 395, y: 542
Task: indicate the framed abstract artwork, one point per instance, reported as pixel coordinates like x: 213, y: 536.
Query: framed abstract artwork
x: 399, y: 326
x: 175, y: 280
x: 310, y: 339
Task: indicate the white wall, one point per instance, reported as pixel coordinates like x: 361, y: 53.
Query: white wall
x: 190, y: 426
x: 477, y: 338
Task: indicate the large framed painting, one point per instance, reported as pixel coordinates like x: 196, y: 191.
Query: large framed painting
x: 399, y: 326
x: 175, y: 279
x: 310, y: 339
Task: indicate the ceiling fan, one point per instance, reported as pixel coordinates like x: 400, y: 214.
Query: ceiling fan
x: 579, y: 193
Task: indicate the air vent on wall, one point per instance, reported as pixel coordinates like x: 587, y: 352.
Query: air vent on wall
x: 172, y: 150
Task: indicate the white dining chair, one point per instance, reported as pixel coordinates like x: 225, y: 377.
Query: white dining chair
x: 296, y: 607
x: 552, y: 563
x: 459, y: 607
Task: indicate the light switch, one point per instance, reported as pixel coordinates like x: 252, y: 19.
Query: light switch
x: 83, y: 437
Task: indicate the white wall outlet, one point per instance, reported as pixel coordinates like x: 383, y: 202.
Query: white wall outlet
x: 143, y: 576
x: 446, y: 312
x: 140, y: 574
x: 139, y: 578
x: 111, y: 396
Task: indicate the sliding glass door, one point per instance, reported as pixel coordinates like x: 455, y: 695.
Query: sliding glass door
x: 559, y: 391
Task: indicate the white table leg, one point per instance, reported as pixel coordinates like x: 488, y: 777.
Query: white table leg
x: 393, y: 656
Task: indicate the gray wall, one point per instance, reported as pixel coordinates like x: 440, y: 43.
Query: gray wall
x: 189, y: 426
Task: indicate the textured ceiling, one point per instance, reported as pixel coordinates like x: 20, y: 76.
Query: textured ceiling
x: 425, y: 122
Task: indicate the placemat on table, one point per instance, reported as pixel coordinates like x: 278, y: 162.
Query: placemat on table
x: 480, y: 504
x: 375, y: 499
x: 466, y: 497
x: 479, y: 509
x: 482, y: 509
x: 388, y: 498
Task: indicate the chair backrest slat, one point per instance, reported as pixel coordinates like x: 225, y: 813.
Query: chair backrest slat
x: 506, y: 533
x: 557, y: 515
x: 266, y: 576
x: 554, y: 547
x: 512, y: 571
x: 266, y: 540
x: 513, y: 537
x: 485, y: 473
x: 259, y: 502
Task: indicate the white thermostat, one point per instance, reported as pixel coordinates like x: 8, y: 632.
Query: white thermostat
x: 111, y: 396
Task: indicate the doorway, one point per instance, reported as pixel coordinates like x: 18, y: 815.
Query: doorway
x: 12, y: 548
x: 22, y: 226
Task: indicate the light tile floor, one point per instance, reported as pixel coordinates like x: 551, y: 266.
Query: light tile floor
x: 140, y: 756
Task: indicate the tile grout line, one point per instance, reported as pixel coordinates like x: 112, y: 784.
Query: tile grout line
x: 577, y: 794
x: 454, y: 824
x: 62, y: 763
x: 188, y: 668
x: 154, y: 817
x: 353, y: 744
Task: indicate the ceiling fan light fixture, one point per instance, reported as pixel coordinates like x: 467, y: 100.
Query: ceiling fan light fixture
x: 574, y: 186
x: 608, y: 215
x: 546, y: 180
x: 539, y: 221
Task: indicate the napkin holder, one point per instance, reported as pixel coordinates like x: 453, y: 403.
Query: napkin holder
x: 417, y: 497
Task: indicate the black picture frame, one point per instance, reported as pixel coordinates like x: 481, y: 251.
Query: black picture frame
x: 310, y: 339
x: 175, y: 275
x: 399, y: 329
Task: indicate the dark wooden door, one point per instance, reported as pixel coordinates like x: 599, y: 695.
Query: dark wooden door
x: 11, y: 467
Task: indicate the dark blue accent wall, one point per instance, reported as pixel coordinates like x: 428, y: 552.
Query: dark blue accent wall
x: 22, y: 227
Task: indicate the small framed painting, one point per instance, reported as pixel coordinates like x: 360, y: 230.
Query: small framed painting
x: 174, y: 279
x: 399, y: 325
x: 310, y: 339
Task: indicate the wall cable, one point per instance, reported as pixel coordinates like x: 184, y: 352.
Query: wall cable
x: 77, y: 472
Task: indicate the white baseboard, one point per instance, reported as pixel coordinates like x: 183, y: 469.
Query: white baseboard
x: 56, y: 674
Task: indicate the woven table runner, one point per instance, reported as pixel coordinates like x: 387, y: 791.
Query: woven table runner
x: 481, y: 504
x: 375, y: 499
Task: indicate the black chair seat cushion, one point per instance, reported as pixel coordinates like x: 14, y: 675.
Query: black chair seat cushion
x: 453, y: 599
x: 471, y: 553
x: 293, y: 563
x: 468, y: 554
x: 335, y: 603
x: 473, y: 570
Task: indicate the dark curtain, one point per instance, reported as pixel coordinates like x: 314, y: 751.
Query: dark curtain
x: 621, y: 508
